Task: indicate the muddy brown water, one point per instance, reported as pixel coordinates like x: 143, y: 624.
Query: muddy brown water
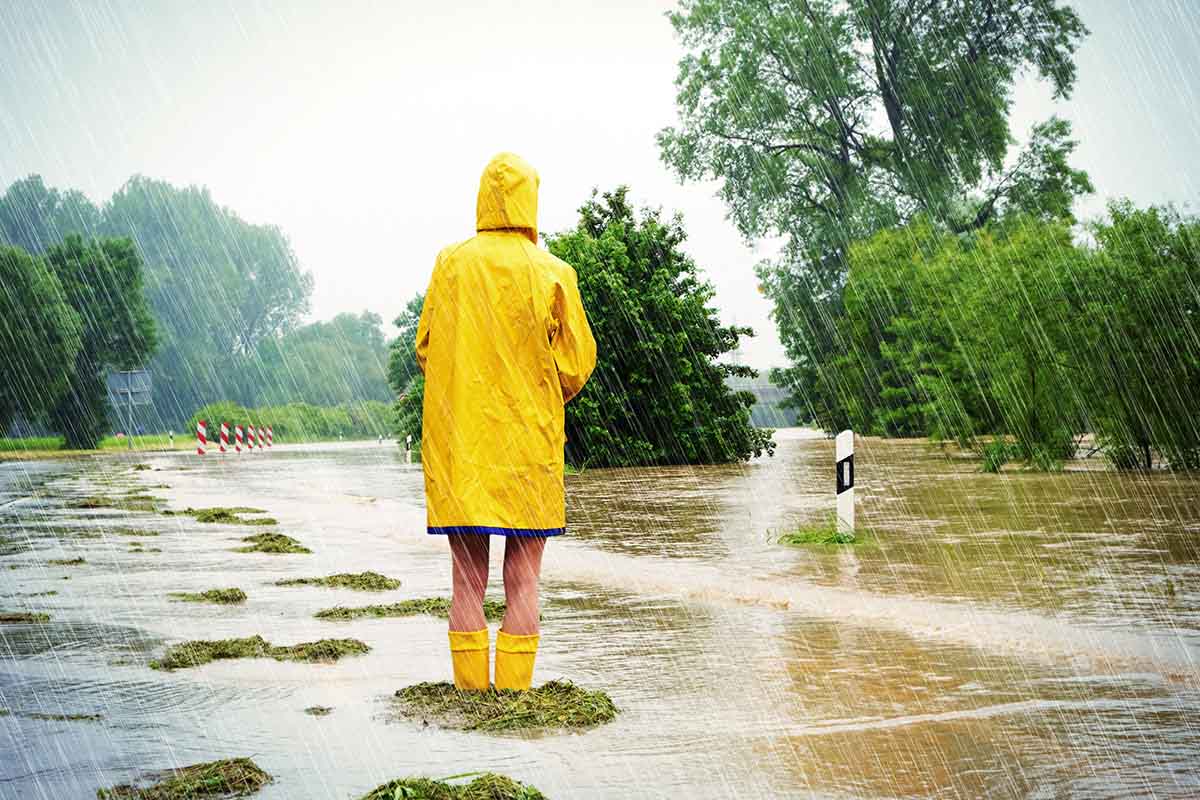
x: 1026, y: 635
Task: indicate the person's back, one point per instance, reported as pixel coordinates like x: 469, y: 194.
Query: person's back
x: 504, y: 344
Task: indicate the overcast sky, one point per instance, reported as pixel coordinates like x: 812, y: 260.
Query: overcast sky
x: 361, y: 128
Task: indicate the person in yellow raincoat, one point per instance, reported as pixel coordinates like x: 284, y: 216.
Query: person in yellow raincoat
x: 504, y: 344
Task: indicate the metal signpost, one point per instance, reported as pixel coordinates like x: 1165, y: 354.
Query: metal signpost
x: 126, y: 390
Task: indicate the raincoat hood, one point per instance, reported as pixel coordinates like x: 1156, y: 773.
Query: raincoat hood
x: 507, y: 199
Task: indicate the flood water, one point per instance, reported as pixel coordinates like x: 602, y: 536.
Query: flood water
x: 1024, y: 635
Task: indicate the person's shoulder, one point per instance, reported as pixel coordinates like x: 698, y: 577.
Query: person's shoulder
x: 447, y: 253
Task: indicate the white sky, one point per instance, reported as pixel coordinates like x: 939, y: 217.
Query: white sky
x: 361, y: 128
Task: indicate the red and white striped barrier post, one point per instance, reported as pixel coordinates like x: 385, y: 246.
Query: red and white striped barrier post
x: 270, y: 437
x: 249, y: 437
x: 200, y: 440
x: 224, y: 436
x: 237, y: 438
x: 260, y: 435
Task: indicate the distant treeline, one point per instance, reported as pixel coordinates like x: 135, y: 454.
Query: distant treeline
x: 1020, y: 330
x: 227, y: 297
x: 932, y: 278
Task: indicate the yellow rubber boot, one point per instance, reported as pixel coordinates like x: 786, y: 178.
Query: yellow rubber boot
x: 469, y: 652
x: 514, y: 660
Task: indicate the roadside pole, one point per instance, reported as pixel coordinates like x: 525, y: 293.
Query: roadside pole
x: 844, y: 452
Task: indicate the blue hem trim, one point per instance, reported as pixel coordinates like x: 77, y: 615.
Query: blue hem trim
x: 485, y: 530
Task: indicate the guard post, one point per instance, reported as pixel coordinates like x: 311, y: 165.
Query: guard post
x: 844, y: 453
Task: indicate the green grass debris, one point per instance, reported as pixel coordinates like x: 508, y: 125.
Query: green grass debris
x: 554, y: 705
x: 493, y: 610
x: 131, y: 532
x: 22, y: 617
x: 231, y: 777
x: 225, y: 515
x: 826, y: 532
x: 486, y: 786
x: 68, y: 562
x: 271, y: 543
x: 65, y: 717
x: 361, y: 581
x: 134, y: 503
x: 318, y: 711
x: 140, y: 467
x: 195, y: 653
x: 225, y: 596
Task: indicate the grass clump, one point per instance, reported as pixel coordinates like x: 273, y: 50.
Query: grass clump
x: 132, y: 503
x: 140, y: 467
x: 230, y: 777
x: 225, y: 596
x: 271, y: 543
x: 198, y: 652
x: 22, y: 617
x: 487, y: 786
x: 318, y: 711
x: 65, y: 717
x: 553, y: 705
x: 361, y: 581
x: 68, y: 562
x: 132, y: 532
x: 225, y: 515
x: 826, y: 532
x: 493, y: 610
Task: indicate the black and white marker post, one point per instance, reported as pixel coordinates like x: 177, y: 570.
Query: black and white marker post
x: 844, y: 450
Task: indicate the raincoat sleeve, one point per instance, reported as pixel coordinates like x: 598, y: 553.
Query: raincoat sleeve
x: 572, y: 341
x: 427, y: 311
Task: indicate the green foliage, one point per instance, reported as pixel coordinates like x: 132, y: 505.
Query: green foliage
x: 339, y: 362
x: 828, y: 122
x: 298, y: 422
x: 275, y: 543
x: 1139, y: 315
x: 493, y: 610
x: 199, y: 652
x: 1015, y: 330
x: 402, y: 358
x: 658, y: 394
x: 488, y: 786
x: 218, y: 285
x: 553, y: 705
x: 221, y: 596
x: 405, y: 377
x: 362, y: 582
x: 39, y: 336
x: 408, y: 411
x: 996, y: 454
x: 231, y: 777
x: 102, y: 281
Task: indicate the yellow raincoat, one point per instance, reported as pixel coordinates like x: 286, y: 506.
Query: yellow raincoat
x: 504, y: 343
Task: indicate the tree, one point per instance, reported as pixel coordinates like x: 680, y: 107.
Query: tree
x: 404, y: 376
x: 34, y: 216
x: 1139, y: 302
x: 326, y: 363
x: 402, y: 357
x: 828, y: 121
x: 658, y: 394
x: 39, y: 336
x: 218, y: 285
x: 102, y: 281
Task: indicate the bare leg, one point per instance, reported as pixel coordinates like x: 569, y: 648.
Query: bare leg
x: 522, y: 568
x: 469, y: 559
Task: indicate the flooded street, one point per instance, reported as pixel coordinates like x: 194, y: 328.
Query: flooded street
x: 1023, y: 635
